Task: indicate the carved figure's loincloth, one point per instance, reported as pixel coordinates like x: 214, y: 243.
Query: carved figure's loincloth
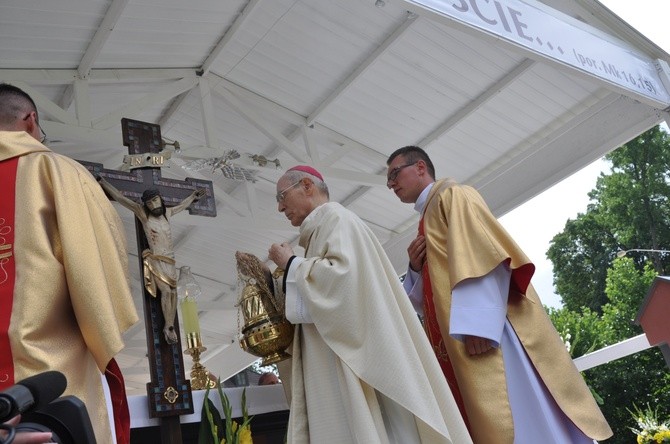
x: 152, y: 272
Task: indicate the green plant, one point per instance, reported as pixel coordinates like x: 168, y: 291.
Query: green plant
x: 215, y: 429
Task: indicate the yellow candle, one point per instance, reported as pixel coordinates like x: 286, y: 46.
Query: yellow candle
x: 189, y: 313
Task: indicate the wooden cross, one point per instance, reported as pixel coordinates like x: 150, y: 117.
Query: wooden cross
x: 169, y: 391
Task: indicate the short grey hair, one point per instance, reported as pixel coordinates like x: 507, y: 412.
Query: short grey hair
x: 296, y: 175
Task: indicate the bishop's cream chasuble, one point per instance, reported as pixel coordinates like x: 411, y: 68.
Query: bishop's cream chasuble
x: 365, y: 355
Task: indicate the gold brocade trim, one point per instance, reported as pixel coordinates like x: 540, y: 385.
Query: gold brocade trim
x: 440, y: 349
x: 4, y: 256
x: 437, y: 344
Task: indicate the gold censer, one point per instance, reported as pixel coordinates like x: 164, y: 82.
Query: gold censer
x: 265, y: 333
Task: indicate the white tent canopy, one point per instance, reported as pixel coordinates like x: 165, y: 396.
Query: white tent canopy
x: 508, y: 96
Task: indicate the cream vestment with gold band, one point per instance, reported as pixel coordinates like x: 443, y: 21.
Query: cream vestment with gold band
x: 465, y: 241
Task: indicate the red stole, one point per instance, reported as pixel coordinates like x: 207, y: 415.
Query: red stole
x: 117, y: 390
x: 435, y: 337
x: 7, y: 266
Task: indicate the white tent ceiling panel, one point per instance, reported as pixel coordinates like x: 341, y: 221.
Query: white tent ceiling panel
x: 564, y: 154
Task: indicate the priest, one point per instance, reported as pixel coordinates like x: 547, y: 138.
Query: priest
x: 507, y: 365
x: 65, y: 297
x: 362, y: 368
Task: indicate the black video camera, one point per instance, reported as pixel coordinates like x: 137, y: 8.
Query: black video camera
x: 37, y: 400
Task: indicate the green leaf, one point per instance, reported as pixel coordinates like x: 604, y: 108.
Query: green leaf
x: 227, y: 411
x: 211, y: 424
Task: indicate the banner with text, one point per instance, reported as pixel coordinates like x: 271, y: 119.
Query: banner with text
x: 546, y: 34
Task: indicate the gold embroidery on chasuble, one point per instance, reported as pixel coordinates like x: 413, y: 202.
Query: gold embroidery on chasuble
x: 5, y: 257
x: 5, y: 250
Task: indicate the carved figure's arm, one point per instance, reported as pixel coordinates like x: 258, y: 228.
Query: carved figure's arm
x: 115, y: 194
x: 195, y: 196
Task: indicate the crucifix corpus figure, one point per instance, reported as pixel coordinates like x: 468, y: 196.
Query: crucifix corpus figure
x: 159, y: 263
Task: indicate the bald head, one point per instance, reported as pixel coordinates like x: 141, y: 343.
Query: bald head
x: 268, y: 379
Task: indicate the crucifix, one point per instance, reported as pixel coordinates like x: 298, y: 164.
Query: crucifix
x: 169, y: 391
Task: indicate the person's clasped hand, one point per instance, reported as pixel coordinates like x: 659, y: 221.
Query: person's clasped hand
x: 476, y: 345
x: 417, y: 253
x: 280, y: 254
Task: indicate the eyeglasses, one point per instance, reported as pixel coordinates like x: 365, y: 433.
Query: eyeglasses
x: 43, y: 138
x: 393, y: 174
x: 282, y: 194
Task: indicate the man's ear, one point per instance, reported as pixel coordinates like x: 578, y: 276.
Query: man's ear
x: 308, y: 185
x: 421, y: 165
x: 28, y: 125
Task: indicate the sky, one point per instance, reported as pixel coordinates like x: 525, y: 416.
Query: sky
x: 537, y: 221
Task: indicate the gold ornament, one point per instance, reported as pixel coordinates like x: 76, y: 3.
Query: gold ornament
x: 266, y: 333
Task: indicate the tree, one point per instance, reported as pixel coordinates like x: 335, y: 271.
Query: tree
x: 639, y: 379
x: 633, y: 200
x: 628, y: 210
x: 602, y: 294
x: 580, y: 331
x: 580, y: 256
x: 626, y: 289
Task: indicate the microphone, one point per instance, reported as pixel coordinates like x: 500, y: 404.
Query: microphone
x: 34, y: 392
